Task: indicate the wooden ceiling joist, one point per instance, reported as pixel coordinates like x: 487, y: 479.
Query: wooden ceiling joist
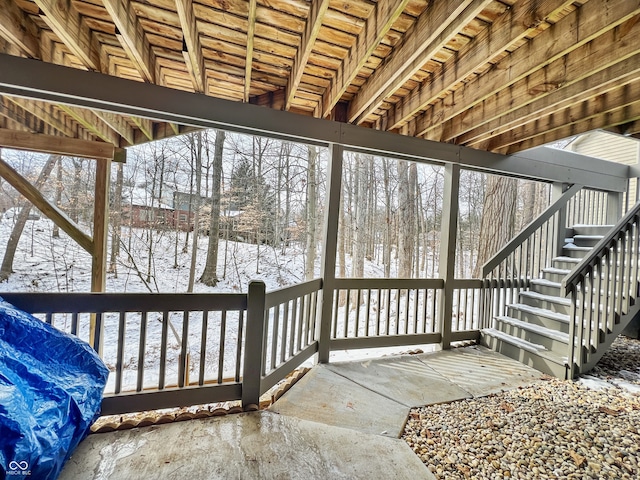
x: 592, y: 86
x: 192, y: 50
x: 434, y: 28
x: 511, y: 27
x: 482, y: 73
x: 72, y: 147
x: 385, y: 13
x: 17, y: 28
x: 69, y: 26
x: 593, y: 19
x: 560, y: 75
x: 251, y: 30
x: 93, y: 123
x: 132, y: 37
x: 317, y: 10
x: 45, y: 113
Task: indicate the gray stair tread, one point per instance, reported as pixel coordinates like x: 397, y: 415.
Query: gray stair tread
x: 545, y: 282
x: 541, y: 312
x: 582, y: 225
x: 540, y: 330
x: 557, y: 271
x: 527, y: 346
x: 567, y: 259
x: 548, y: 298
x: 571, y: 246
x: 589, y: 237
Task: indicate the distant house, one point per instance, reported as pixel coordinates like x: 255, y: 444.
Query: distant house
x: 141, y: 210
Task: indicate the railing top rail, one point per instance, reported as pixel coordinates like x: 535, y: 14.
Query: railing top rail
x: 529, y: 229
x: 276, y: 297
x: 391, y: 283
x: 596, y: 252
x: 127, y: 302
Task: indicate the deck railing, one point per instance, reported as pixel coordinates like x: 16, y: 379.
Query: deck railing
x: 168, y: 350
x: 602, y: 288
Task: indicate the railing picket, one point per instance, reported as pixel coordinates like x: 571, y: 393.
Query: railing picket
x: 378, y: 311
x: 142, y: 346
x: 239, y: 345
x: 223, y: 336
x: 183, y: 361
x: 74, y: 323
x: 346, y: 314
x: 275, y: 333
x: 120, y: 352
x: 285, y: 329
x: 367, y: 313
x: 203, y: 346
x: 163, y: 350
x: 356, y: 331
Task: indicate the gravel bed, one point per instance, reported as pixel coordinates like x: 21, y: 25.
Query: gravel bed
x: 551, y: 429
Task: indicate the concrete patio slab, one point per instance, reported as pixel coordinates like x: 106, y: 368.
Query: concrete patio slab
x: 259, y: 445
x: 326, y: 397
x: 405, y: 379
x: 479, y: 370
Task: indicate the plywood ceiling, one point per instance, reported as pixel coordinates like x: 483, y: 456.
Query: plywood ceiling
x: 494, y: 75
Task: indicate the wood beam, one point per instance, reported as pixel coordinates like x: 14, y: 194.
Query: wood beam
x: 251, y: 29
x: 56, y: 83
x: 440, y: 22
x: 69, y: 26
x: 18, y: 28
x: 586, y: 23
x: 100, y: 226
x: 317, y: 11
x: 604, y: 112
x: 192, y: 49
x: 32, y: 194
x: 72, y: 147
x: 560, y: 80
x: 385, y: 13
x: 132, y: 37
x: 515, y: 24
x: 597, y: 84
x: 91, y: 122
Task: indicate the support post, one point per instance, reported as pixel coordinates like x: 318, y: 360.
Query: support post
x: 254, y: 345
x: 557, y: 189
x: 328, y: 273
x: 614, y: 207
x: 99, y: 253
x: 448, y: 234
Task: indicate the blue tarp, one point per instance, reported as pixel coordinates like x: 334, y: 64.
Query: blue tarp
x: 51, y: 386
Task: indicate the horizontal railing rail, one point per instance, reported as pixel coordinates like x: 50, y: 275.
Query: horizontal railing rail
x: 602, y: 288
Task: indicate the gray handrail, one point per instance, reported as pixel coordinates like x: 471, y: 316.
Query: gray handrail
x: 570, y: 280
x: 510, y: 247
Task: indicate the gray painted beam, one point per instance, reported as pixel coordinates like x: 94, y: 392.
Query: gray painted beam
x: 45, y: 81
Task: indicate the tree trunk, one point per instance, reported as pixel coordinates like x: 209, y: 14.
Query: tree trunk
x: 74, y: 208
x: 196, y: 152
x: 312, y: 220
x: 498, y: 217
x: 7, y: 262
x: 360, y: 206
x: 210, y: 274
x: 56, y: 229
x: 116, y: 220
x: 406, y: 210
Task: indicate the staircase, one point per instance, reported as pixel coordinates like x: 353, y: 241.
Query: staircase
x: 535, y: 330
x: 562, y: 322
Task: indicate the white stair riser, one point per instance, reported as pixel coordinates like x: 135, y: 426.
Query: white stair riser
x: 533, y: 337
x: 539, y: 320
x: 553, y: 291
x: 554, y: 307
x: 528, y: 358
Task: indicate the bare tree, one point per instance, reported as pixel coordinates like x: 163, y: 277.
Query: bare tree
x: 209, y: 275
x: 312, y: 217
x: 195, y: 142
x: 116, y: 221
x: 407, y: 178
